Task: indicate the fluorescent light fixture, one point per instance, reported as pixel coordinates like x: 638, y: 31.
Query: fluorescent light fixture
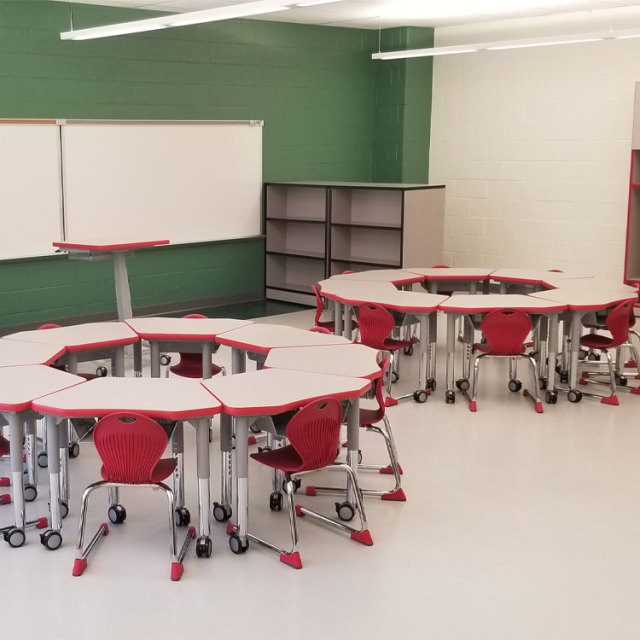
x: 507, y: 44
x: 241, y: 10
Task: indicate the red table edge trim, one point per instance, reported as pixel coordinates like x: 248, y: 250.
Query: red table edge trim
x: 168, y: 415
x: 109, y: 247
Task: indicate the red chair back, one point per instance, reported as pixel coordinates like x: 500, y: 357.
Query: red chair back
x: 319, y: 305
x: 375, y: 324
x: 619, y: 321
x: 5, y: 446
x: 130, y: 446
x: 505, y: 331
x: 314, y: 433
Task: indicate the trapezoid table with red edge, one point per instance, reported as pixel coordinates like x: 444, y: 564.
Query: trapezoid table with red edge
x: 19, y: 387
x: 160, y: 398
x: 579, y: 300
x: 468, y: 306
x: 248, y: 395
x: 197, y: 335
x: 346, y: 294
x: 467, y: 278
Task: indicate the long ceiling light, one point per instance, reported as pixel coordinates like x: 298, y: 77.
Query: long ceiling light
x: 507, y: 44
x: 242, y: 10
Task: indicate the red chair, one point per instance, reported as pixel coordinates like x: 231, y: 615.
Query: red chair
x: 313, y: 434
x: 618, y: 323
x: 369, y: 419
x: 130, y: 447
x: 190, y: 364
x: 376, y: 326
x: 325, y: 323
x: 505, y: 331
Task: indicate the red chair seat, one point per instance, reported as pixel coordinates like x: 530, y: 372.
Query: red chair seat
x: 370, y: 416
x: 5, y: 446
x: 596, y: 341
x: 286, y: 459
x: 190, y: 366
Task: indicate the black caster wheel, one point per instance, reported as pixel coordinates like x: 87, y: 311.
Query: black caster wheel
x: 204, y: 547
x: 582, y: 354
x: 564, y: 377
x: 432, y: 384
x: 593, y: 357
x: 43, y: 461
x: 621, y: 380
x: 408, y: 351
x: 297, y: 483
x: 463, y: 384
x: 551, y: 397
x: 235, y: 544
x: 420, y: 395
x: 450, y: 397
x: 542, y: 384
x: 574, y: 395
x: 15, y: 537
x: 345, y: 511
x: 30, y: 492
x: 165, y: 360
x: 64, y: 509
x: 183, y: 517
x: 515, y: 385
x: 51, y: 539
x: 275, y: 501
x: 221, y: 512
x: 74, y: 449
x: 101, y: 372
x: 395, y: 376
x: 117, y: 513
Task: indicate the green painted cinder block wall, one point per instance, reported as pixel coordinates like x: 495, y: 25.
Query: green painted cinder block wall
x: 316, y: 88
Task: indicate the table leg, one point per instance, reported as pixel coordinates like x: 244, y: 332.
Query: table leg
x: 348, y: 321
x: 137, y: 359
x: 118, y: 362
x: 337, y: 317
x: 576, y: 333
x: 207, y: 353
x: 242, y: 478
x: 177, y: 449
x: 552, y: 356
x: 203, y: 470
x: 222, y: 509
x: 424, y: 348
x: 451, y: 354
x: 53, y: 458
x: 238, y: 361
x: 473, y: 287
x: 16, y: 431
x: 32, y: 466
x: 123, y: 294
x: 155, y: 358
x: 353, y: 443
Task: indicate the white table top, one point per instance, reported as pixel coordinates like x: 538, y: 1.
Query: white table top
x: 91, y: 335
x: 384, y: 294
x: 107, y: 245
x: 261, y: 338
x: 524, y: 276
x: 183, y: 328
x: 395, y: 276
x: 15, y: 353
x: 170, y: 398
x: 19, y: 386
x: 452, y: 273
x: 276, y: 390
x: 587, y: 299
x: 484, y: 304
x: 355, y: 360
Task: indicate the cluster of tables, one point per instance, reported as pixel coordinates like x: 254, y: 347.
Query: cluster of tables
x: 551, y: 295
x: 320, y: 365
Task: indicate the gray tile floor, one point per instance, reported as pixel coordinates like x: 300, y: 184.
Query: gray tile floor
x: 518, y: 526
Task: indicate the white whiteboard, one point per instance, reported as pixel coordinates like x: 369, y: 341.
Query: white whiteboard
x: 181, y: 181
x: 30, y: 190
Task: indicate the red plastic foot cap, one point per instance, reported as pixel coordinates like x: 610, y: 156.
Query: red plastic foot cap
x: 472, y: 406
x: 611, y: 400
x: 42, y: 523
x: 299, y: 511
x: 105, y: 529
x: 292, y: 559
x: 364, y: 537
x: 310, y: 491
x: 388, y: 470
x: 585, y: 374
x: 582, y: 381
x: 230, y: 529
x: 396, y: 496
x: 390, y: 402
x: 5, y: 498
x: 5, y: 482
x: 79, y: 565
x: 539, y: 407
x: 251, y: 440
x: 176, y: 571
x: 636, y: 390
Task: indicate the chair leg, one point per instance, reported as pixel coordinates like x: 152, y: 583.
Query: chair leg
x: 80, y: 563
x: 535, y: 397
x: 612, y: 398
x: 474, y: 385
x: 396, y: 494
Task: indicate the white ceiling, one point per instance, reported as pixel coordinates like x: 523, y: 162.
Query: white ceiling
x: 374, y: 14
